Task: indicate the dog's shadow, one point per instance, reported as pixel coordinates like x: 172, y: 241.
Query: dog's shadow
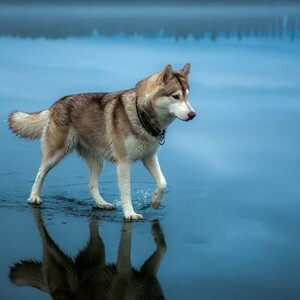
x: 87, y: 276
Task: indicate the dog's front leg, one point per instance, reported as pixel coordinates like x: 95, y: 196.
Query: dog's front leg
x: 152, y: 165
x: 123, y: 171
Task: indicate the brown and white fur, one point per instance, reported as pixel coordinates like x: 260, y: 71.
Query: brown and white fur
x: 106, y: 126
x: 88, y: 275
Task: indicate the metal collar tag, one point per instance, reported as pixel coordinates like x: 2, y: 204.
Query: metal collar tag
x: 161, y: 137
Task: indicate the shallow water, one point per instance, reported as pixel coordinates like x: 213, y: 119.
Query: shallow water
x: 230, y: 217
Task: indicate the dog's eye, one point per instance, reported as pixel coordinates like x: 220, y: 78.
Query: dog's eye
x: 176, y: 97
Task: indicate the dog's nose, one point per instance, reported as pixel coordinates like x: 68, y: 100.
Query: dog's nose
x: 191, y: 115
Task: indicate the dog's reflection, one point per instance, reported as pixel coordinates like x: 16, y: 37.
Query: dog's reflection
x: 87, y: 276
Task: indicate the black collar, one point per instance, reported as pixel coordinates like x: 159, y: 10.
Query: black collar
x: 149, y: 126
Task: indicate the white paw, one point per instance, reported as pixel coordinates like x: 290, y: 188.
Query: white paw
x: 106, y: 206
x: 157, y: 198
x: 133, y: 216
x: 155, y: 202
x: 34, y: 199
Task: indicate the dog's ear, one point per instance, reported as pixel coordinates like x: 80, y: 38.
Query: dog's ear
x: 185, y: 71
x: 167, y: 74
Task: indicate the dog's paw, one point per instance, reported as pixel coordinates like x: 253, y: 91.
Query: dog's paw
x: 155, y: 203
x: 157, y: 198
x: 133, y: 216
x: 105, y: 206
x: 34, y: 200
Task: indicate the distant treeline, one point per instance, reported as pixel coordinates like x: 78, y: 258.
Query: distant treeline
x: 149, y: 2
x: 196, y: 22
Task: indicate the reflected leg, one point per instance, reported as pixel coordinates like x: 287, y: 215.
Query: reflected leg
x: 151, y: 266
x: 93, y: 255
x: 122, y: 278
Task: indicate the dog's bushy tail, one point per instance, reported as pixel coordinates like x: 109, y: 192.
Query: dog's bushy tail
x: 28, y: 273
x: 28, y: 125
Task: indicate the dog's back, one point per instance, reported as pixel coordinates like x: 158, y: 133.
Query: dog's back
x: 92, y: 123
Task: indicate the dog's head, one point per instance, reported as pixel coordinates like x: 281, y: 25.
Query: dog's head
x: 168, y: 91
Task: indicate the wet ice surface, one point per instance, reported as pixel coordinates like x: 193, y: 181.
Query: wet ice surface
x: 230, y: 216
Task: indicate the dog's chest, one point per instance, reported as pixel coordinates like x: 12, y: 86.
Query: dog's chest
x: 138, y: 149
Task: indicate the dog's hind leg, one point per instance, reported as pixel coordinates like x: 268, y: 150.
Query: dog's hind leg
x: 152, y: 165
x: 48, y: 162
x: 95, y: 167
x: 55, y: 145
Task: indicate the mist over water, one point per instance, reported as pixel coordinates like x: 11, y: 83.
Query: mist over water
x: 230, y: 216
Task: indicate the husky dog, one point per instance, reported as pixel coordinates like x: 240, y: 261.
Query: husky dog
x: 88, y: 276
x: 120, y: 127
